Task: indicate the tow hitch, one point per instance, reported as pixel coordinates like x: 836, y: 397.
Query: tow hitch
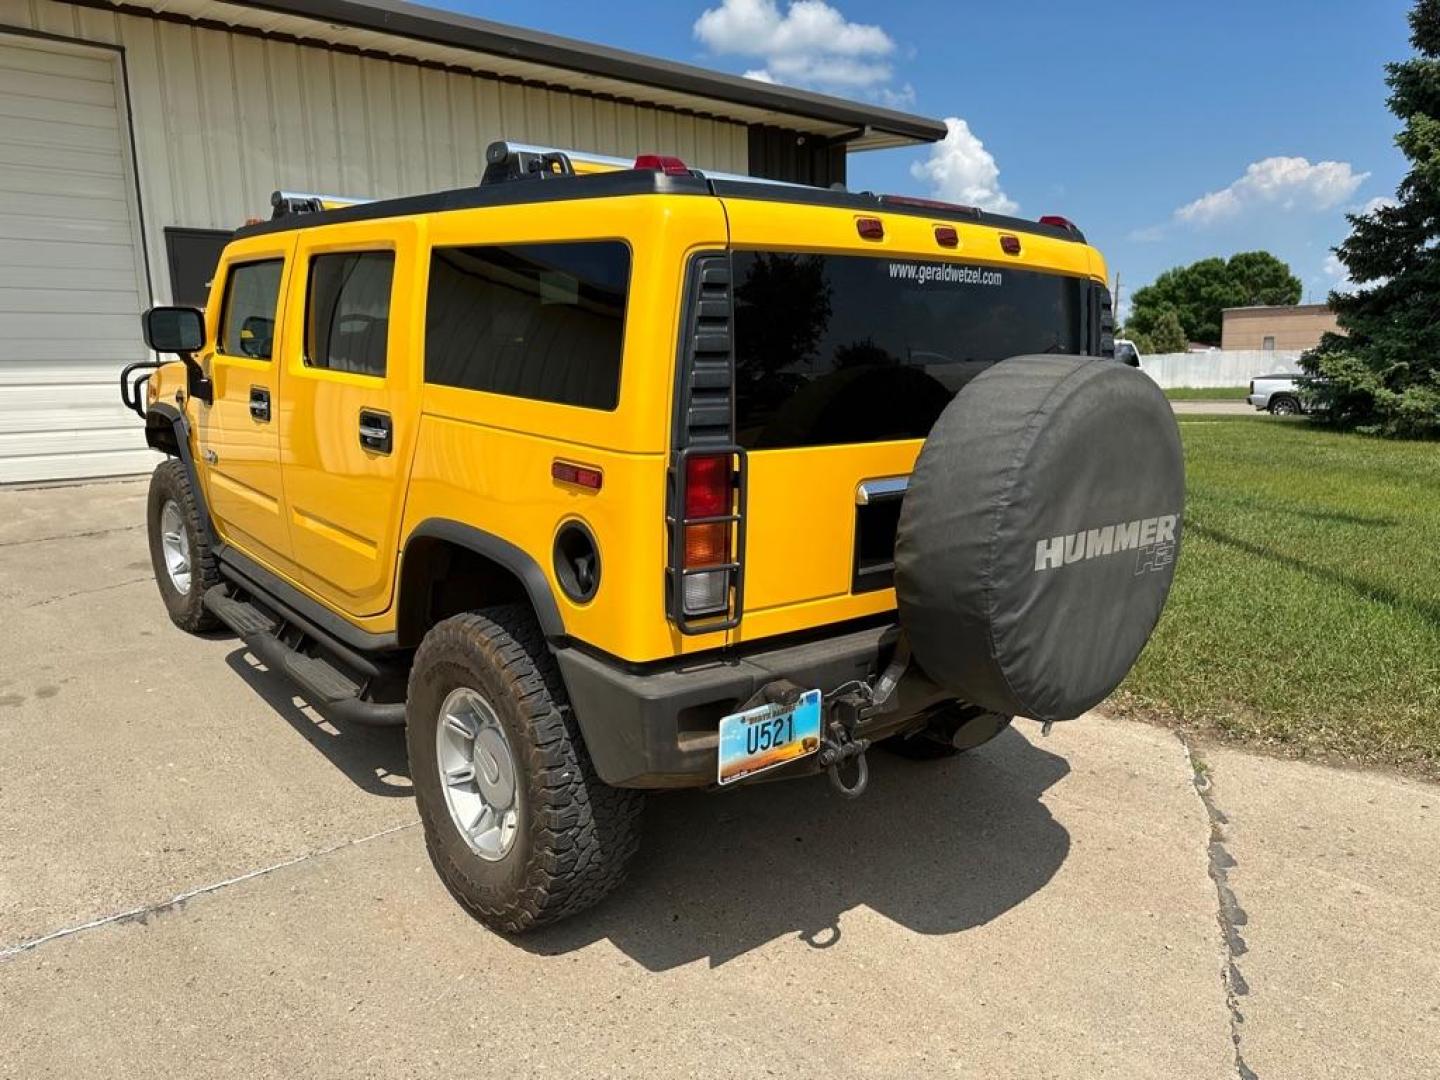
x: 850, y: 706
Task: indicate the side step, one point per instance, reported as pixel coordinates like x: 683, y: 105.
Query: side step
x: 323, y: 684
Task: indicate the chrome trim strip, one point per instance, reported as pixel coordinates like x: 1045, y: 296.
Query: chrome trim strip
x: 885, y: 487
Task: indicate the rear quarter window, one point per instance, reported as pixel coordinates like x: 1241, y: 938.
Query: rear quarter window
x: 854, y: 348
x: 538, y: 321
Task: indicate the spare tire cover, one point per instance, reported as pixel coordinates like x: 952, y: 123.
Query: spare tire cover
x: 1038, y: 536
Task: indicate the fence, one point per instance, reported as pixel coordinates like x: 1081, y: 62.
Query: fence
x: 1216, y: 368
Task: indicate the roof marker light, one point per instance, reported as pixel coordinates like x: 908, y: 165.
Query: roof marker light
x: 946, y: 236
x: 670, y: 166
x: 1009, y: 244
x: 1059, y: 222
x: 870, y: 228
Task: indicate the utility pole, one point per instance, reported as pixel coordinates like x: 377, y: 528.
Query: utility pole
x: 1117, y: 299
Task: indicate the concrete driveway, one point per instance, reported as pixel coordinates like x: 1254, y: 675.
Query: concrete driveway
x: 199, y: 876
x: 1214, y: 408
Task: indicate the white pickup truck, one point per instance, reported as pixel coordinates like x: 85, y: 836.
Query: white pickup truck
x: 1279, y: 394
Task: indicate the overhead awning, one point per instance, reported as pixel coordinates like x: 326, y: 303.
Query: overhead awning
x: 426, y: 35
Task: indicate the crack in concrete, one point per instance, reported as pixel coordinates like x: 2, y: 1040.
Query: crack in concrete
x: 70, y: 536
x: 144, y: 913
x: 88, y: 592
x: 1229, y: 914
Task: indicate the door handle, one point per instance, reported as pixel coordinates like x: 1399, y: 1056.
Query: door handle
x: 260, y: 404
x: 376, y: 434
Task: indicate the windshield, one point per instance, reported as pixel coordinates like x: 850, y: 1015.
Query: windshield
x: 853, y: 348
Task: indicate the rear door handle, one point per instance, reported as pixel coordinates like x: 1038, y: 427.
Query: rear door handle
x: 376, y: 434
x: 260, y: 404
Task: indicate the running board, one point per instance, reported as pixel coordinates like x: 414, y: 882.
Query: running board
x: 324, y: 685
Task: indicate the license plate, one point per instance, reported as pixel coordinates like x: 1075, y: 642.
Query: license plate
x: 768, y: 736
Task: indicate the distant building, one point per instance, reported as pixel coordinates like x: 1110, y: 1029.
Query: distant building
x: 1285, y: 327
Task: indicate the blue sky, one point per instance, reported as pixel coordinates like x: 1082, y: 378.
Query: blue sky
x: 1167, y: 131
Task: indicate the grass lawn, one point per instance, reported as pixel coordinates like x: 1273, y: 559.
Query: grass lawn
x: 1305, y: 614
x: 1207, y: 393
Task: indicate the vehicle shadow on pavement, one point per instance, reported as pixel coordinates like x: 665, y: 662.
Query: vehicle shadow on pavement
x: 374, y: 759
x: 939, y: 847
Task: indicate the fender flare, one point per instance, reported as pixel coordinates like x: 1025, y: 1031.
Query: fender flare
x: 503, y: 553
x: 163, y: 413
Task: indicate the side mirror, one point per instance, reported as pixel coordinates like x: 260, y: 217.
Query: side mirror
x: 174, y: 329
x: 181, y: 330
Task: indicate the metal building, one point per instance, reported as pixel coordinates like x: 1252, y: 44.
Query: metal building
x: 134, y: 136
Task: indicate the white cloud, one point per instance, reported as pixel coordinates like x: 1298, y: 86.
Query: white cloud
x: 904, y: 98
x: 960, y: 169
x: 810, y: 44
x: 1287, y: 182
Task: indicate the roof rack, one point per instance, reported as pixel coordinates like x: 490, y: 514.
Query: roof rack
x: 508, y: 162
x: 286, y: 203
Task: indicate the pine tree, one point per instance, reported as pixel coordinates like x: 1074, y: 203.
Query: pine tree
x: 1382, y: 373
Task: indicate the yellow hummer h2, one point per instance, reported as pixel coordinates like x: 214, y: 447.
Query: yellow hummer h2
x: 603, y: 477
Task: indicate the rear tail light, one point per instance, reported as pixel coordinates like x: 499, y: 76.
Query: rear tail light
x: 707, y: 485
x: 707, y: 545
x: 704, y: 567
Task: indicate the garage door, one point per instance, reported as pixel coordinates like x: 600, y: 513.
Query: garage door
x: 71, y: 277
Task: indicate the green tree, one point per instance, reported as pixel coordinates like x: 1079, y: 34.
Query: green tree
x: 1383, y: 372
x: 1168, y: 336
x: 1140, y: 340
x: 1199, y: 292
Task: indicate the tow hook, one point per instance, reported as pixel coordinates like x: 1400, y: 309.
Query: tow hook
x: 849, y: 705
x: 838, y: 747
x: 839, y: 744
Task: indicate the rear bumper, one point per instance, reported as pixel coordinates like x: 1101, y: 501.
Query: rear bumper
x: 1259, y: 400
x: 657, y: 727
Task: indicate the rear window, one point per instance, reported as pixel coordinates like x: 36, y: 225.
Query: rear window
x: 852, y: 348
x: 539, y: 321
x: 348, y: 324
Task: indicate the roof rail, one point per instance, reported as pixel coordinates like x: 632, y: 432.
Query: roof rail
x: 285, y: 203
x: 584, y: 163
x: 509, y: 161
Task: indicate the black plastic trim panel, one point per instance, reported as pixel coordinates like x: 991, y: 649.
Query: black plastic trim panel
x: 506, y: 554
x: 879, y: 204
x: 705, y: 392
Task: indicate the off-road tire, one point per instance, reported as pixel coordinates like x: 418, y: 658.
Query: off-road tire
x: 170, y: 482
x: 576, y: 834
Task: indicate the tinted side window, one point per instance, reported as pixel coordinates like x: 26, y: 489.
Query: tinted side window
x: 247, y: 317
x: 540, y: 321
x: 347, y: 322
x: 852, y: 348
